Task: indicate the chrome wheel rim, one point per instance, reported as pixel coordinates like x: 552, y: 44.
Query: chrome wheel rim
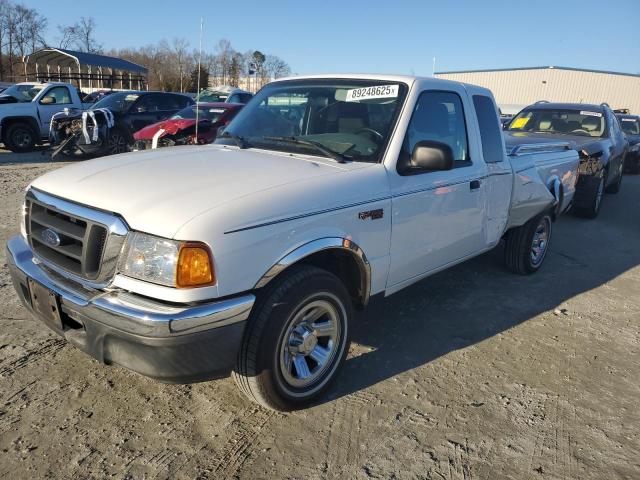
x: 310, y: 344
x: 540, y: 241
x: 599, y: 193
x: 117, y: 143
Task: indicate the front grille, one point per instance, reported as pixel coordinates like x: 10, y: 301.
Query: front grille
x: 73, y: 242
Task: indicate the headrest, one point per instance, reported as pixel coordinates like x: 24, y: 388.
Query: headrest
x: 591, y: 124
x: 545, y: 124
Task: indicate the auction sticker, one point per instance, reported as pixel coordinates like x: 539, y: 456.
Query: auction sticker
x: 591, y: 114
x: 370, y: 93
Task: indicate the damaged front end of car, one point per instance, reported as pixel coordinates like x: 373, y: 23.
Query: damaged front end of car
x: 74, y: 132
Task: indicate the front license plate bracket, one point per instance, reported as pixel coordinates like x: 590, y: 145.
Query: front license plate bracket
x: 46, y: 304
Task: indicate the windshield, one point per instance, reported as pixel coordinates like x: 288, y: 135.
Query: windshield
x: 23, y: 93
x: 212, y: 96
x: 351, y: 119
x: 204, y: 113
x: 117, y: 102
x: 630, y: 126
x: 587, y: 123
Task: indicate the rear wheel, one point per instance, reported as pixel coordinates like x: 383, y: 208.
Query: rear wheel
x: 296, y: 339
x: 20, y: 137
x: 593, y: 209
x: 527, y: 246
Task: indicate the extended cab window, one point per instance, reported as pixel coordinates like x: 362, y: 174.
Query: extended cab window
x: 490, y: 133
x: 59, y: 96
x: 439, y: 116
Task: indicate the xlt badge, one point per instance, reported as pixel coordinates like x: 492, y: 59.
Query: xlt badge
x: 371, y: 214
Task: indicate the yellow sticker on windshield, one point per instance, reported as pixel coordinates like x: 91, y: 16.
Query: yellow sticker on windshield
x: 519, y: 122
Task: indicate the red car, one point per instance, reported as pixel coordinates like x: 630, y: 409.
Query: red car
x: 180, y: 129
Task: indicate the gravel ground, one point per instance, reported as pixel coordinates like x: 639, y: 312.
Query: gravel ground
x: 471, y: 374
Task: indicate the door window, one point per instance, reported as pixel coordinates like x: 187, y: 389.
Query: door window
x: 148, y: 103
x: 60, y: 96
x: 438, y: 116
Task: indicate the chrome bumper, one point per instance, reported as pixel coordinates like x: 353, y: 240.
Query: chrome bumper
x: 153, y: 338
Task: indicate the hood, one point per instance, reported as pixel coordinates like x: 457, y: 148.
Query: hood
x: 8, y: 99
x: 170, y: 127
x: 158, y: 191
x: 590, y: 144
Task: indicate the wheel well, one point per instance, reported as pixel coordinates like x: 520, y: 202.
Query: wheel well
x: 344, y: 266
x: 7, y: 122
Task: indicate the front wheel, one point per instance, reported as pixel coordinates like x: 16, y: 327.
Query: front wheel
x: 296, y: 339
x: 117, y: 142
x: 527, y: 245
x: 593, y: 209
x: 20, y: 138
x: 615, y: 187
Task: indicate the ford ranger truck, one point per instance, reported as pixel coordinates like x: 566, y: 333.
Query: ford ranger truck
x: 249, y: 256
x: 26, y: 110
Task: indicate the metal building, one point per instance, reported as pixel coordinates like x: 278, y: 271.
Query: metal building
x: 88, y: 71
x: 524, y: 86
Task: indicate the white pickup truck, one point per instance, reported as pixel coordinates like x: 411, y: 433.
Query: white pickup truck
x: 26, y: 110
x: 251, y: 254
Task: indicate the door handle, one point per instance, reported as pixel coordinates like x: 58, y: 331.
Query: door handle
x: 474, y: 184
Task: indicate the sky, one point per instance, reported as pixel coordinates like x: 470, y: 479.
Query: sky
x: 376, y: 36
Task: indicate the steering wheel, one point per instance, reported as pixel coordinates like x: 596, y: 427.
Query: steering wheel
x: 580, y: 130
x: 375, y: 133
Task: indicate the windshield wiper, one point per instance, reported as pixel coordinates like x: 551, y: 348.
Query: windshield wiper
x: 338, y: 157
x: 239, y: 139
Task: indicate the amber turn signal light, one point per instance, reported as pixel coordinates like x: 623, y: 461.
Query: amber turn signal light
x: 195, y: 268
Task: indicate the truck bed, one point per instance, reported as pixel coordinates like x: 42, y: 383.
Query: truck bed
x: 544, y: 175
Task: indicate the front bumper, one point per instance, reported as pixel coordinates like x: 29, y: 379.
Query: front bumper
x: 170, y: 343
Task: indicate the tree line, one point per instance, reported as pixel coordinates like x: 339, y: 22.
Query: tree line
x: 172, y: 65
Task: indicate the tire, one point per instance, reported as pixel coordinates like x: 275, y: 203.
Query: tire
x: 615, y: 187
x: 593, y: 209
x: 20, y: 138
x: 527, y: 246
x: 117, y: 142
x: 267, y: 371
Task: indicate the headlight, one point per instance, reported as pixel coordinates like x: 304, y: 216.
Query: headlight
x: 167, y: 262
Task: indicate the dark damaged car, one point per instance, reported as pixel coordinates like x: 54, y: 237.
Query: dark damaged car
x: 592, y: 130
x: 180, y: 129
x: 108, y: 126
x: 631, y: 127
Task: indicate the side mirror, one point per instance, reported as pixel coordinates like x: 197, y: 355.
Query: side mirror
x: 48, y: 101
x: 431, y: 155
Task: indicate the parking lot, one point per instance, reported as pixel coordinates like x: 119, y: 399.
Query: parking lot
x: 472, y: 373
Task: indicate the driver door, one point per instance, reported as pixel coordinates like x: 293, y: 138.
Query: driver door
x: 438, y: 216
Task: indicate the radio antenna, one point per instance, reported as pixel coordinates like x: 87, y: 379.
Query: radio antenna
x: 198, y: 83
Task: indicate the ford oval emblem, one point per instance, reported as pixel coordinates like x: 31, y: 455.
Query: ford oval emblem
x: 50, y: 237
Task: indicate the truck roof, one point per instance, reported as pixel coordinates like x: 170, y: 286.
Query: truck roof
x: 565, y: 106
x: 44, y: 84
x: 408, y: 79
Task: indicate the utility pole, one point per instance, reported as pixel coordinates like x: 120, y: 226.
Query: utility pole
x: 198, y: 83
